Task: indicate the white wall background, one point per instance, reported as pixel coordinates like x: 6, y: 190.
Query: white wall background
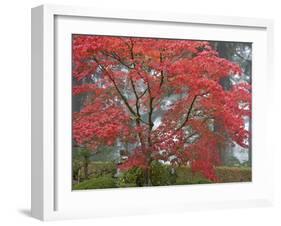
x: 15, y: 112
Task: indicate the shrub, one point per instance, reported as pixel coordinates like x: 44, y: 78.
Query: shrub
x: 98, y: 169
x: 224, y: 173
x: 234, y: 174
x: 132, y: 178
x: 81, y: 159
x: 76, y: 169
x: 185, y: 176
x: 96, y: 183
x: 162, y: 174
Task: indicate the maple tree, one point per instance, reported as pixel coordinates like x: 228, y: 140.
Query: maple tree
x: 163, y: 96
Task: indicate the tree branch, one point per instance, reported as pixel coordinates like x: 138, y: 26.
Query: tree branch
x: 115, y: 56
x: 161, y: 72
x: 242, y: 57
x: 144, y: 92
x: 137, y: 103
x: 188, y: 113
x: 116, y: 87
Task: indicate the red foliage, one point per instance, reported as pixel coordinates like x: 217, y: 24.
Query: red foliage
x: 135, y: 79
x: 138, y: 159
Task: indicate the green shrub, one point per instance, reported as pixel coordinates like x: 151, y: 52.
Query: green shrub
x: 76, y: 169
x: 132, y: 178
x: 96, y: 183
x: 185, y: 176
x: 234, y: 174
x: 98, y: 169
x: 162, y: 174
x: 224, y: 173
x: 80, y: 160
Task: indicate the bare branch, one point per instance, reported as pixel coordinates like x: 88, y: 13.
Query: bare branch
x: 144, y: 92
x: 161, y: 72
x: 116, y: 87
x: 188, y: 113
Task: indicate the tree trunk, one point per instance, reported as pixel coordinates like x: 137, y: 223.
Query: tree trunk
x: 147, y: 176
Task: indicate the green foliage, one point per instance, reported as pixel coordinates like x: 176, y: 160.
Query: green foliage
x: 102, y: 175
x: 96, y: 183
x: 162, y: 174
x: 185, y: 176
x: 246, y: 164
x: 224, y: 173
x: 234, y: 174
x: 76, y: 167
x: 82, y: 163
x: 132, y: 178
x: 80, y: 153
x: 97, y: 169
x: 80, y: 160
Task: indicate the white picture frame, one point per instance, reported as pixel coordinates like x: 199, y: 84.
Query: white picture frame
x: 52, y: 197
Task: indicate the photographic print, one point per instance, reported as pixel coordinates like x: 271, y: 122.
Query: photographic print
x: 159, y: 112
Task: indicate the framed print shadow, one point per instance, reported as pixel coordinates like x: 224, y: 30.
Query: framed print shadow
x: 140, y: 113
